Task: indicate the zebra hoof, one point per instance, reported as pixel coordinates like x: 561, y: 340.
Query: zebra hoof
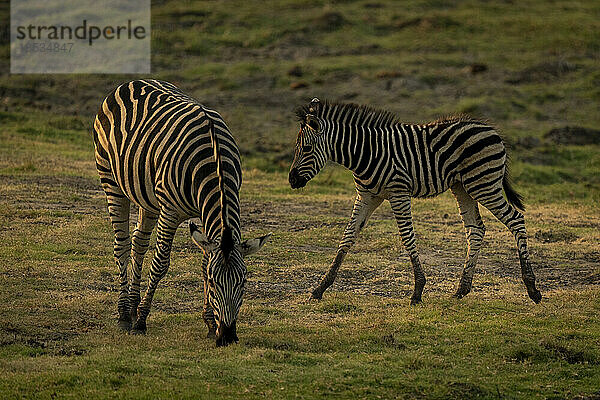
x: 124, y: 325
x: 316, y: 295
x: 461, y: 292
x: 535, y: 295
x: 139, y: 328
x: 415, y: 300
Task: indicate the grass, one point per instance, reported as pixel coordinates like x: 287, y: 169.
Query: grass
x: 58, y: 335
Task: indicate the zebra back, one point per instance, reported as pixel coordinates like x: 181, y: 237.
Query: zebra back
x: 162, y: 148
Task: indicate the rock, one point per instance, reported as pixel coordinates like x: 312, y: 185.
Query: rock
x: 573, y: 135
x: 298, y: 85
x: 477, y: 68
x: 295, y: 71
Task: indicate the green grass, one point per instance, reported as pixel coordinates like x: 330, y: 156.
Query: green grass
x: 58, y: 284
x: 443, y: 349
x: 59, y: 336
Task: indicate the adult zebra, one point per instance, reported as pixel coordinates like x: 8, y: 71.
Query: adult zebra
x: 175, y: 159
x: 396, y: 161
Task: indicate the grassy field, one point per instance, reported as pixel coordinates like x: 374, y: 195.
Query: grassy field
x: 58, y: 283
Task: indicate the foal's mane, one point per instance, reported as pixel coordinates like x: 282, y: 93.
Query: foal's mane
x: 367, y: 115
x: 359, y: 114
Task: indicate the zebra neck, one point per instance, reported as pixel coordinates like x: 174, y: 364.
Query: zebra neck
x: 213, y: 226
x: 354, y: 146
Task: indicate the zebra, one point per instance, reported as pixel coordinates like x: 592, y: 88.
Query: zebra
x: 395, y: 162
x: 175, y: 159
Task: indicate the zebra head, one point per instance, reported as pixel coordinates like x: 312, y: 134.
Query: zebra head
x: 311, y: 146
x: 225, y: 277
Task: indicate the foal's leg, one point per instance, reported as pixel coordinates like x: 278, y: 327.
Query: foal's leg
x: 401, y: 208
x: 364, y: 205
x: 474, y: 230
x: 494, y: 201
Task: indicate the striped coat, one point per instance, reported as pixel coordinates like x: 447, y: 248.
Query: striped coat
x: 395, y: 162
x: 175, y: 159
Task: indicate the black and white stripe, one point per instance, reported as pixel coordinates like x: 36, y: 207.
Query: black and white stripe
x: 395, y: 161
x: 176, y: 159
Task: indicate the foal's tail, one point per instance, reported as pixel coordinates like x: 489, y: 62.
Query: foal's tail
x: 512, y: 196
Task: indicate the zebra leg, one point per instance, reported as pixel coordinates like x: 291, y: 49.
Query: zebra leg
x: 165, y: 232
x: 474, y: 230
x: 514, y: 221
x: 141, y: 241
x: 364, y: 205
x: 207, y: 312
x: 118, y: 210
x: 401, y: 208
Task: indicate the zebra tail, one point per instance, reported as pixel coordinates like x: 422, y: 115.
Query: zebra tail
x: 226, y: 233
x: 512, y: 196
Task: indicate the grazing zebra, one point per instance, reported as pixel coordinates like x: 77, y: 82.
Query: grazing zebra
x: 396, y: 161
x: 175, y: 159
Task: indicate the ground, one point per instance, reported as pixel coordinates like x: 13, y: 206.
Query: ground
x: 527, y: 68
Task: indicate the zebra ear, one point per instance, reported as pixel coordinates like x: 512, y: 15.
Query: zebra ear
x: 314, y: 105
x: 201, y: 240
x: 251, y: 246
x: 313, y: 122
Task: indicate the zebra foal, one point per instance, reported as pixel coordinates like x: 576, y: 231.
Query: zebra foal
x: 175, y: 159
x: 394, y: 161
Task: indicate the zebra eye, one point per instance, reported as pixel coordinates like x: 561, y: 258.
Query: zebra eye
x: 306, y: 149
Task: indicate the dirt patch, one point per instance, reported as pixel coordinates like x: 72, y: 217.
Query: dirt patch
x: 576, y: 135
x: 51, y: 342
x: 77, y: 182
x: 553, y: 236
x: 283, y: 215
x: 389, y: 275
x: 543, y: 72
x: 47, y: 193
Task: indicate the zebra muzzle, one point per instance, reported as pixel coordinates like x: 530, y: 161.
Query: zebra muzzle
x: 226, y: 335
x: 296, y: 181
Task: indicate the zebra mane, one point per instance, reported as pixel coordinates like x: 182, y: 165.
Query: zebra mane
x: 226, y: 233
x: 359, y: 114
x: 367, y: 115
x: 450, y: 119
